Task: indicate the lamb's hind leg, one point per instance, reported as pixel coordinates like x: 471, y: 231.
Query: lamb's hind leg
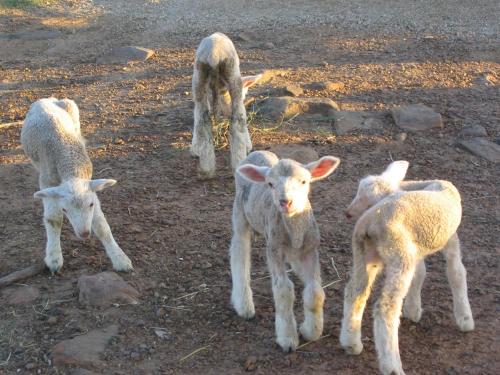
x: 399, y: 274
x: 202, y: 142
x: 412, y: 306
x: 100, y: 227
x: 241, y: 295
x: 52, y: 220
x: 364, y: 272
x: 308, y: 269
x: 240, y: 141
x: 455, y: 271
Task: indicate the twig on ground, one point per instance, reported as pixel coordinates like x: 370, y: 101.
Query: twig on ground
x: 310, y: 342
x: 14, y: 277
x: 194, y: 352
x: 10, y: 124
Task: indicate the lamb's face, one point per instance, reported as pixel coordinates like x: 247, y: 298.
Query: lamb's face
x: 289, y: 181
x: 373, y: 189
x: 76, y: 198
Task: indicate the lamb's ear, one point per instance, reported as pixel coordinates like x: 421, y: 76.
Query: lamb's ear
x: 253, y: 173
x: 323, y: 167
x: 396, y: 171
x: 52, y: 192
x: 101, y: 184
x: 249, y: 81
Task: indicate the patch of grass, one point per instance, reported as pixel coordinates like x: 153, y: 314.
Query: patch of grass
x: 25, y: 3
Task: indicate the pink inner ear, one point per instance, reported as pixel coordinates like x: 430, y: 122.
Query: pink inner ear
x: 322, y: 168
x: 252, y: 174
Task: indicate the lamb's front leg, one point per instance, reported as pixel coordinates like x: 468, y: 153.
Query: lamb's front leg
x: 52, y: 220
x: 241, y: 295
x: 100, y: 227
x: 365, y: 269
x: 284, y: 297
x: 240, y: 141
x: 308, y: 269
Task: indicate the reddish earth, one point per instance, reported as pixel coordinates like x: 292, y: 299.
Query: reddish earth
x: 176, y: 228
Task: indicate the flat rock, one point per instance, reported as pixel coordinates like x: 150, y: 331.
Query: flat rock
x: 346, y: 122
x: 105, y: 289
x: 474, y: 131
x: 285, y: 107
x: 302, y: 154
x: 324, y: 86
x: 124, y: 55
x: 416, y: 117
x: 84, y: 350
x: 293, y: 90
x: 483, y: 148
x: 21, y: 295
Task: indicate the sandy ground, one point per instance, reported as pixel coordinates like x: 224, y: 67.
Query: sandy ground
x: 176, y: 229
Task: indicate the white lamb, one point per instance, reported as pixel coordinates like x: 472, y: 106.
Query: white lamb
x: 219, y: 89
x: 400, y: 222
x: 272, y: 198
x: 51, y: 138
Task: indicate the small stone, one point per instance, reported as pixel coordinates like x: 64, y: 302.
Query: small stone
x: 474, y: 131
x: 301, y: 154
x: 401, y: 137
x: 52, y: 320
x: 105, y: 289
x: 416, y: 117
x: 30, y: 366
x: 293, y: 90
x: 161, y: 312
x: 206, y: 265
x: 124, y: 55
x: 250, y: 363
x: 325, y: 86
x: 84, y: 350
x: 346, y: 122
x: 285, y: 107
x: 485, y: 79
x: 245, y: 37
x: 269, y: 45
x: 22, y: 295
x: 135, y: 356
x: 119, y: 141
x: 483, y: 148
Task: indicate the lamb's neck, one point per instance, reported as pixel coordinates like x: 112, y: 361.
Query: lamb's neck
x: 298, y: 225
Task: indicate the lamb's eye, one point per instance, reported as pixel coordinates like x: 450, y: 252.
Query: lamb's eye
x: 270, y: 185
x: 91, y: 205
x: 304, y: 182
x: 63, y: 210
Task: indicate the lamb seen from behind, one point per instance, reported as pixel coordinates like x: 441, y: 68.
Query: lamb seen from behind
x: 272, y: 198
x: 400, y: 223
x: 51, y: 138
x: 219, y: 90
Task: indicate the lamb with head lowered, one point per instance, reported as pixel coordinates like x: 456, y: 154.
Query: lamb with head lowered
x: 272, y: 199
x: 398, y: 224
x: 219, y: 90
x: 51, y: 138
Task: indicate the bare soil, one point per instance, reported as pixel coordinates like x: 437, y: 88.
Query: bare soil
x: 176, y: 228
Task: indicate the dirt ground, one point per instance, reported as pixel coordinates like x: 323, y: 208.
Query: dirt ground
x: 176, y: 228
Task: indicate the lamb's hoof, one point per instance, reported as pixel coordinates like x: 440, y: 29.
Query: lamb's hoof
x: 412, y: 312
x: 465, y: 323
x: 392, y: 371
x: 354, y: 349
x: 288, y: 343
x: 244, y: 309
x: 123, y: 264
x: 54, y: 264
x: 311, y: 332
x: 206, y: 175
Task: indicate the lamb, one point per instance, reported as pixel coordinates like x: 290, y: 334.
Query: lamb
x: 398, y: 224
x: 51, y: 138
x: 219, y: 89
x: 272, y: 199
